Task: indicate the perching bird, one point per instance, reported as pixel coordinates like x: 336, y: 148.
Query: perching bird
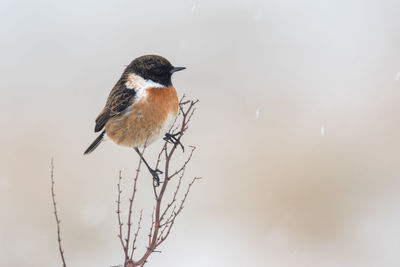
x: 141, y: 107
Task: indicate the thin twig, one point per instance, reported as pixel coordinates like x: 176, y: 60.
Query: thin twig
x: 130, y: 207
x: 151, y: 227
x: 175, y: 194
x: 136, y: 234
x: 120, y: 223
x: 184, y: 164
x: 162, y: 238
x: 53, y: 196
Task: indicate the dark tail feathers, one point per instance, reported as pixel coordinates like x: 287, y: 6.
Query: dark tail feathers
x: 95, y: 143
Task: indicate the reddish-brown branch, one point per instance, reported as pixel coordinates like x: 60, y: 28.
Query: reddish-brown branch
x: 53, y: 196
x: 162, y: 238
x: 128, y: 235
x: 186, y: 194
x: 120, y: 223
x: 157, y: 165
x: 158, y: 228
x: 151, y: 228
x: 184, y: 164
x: 175, y: 194
x: 136, y: 234
x: 168, y: 221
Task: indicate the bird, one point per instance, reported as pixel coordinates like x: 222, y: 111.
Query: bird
x: 141, y: 107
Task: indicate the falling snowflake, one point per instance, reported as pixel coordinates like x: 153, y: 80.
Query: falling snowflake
x: 398, y: 76
x: 322, y: 130
x: 193, y: 8
x: 257, y: 113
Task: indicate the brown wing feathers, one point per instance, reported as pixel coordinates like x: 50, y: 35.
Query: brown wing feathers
x: 117, y: 102
x: 101, y: 120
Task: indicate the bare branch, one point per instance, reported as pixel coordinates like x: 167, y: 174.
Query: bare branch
x: 184, y: 165
x: 157, y: 230
x: 175, y: 193
x: 170, y: 217
x: 53, y: 196
x: 119, y: 214
x: 162, y: 238
x: 136, y: 234
x: 130, y: 206
x: 151, y: 227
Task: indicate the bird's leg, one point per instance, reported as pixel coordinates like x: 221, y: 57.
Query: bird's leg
x: 171, y: 138
x: 153, y: 172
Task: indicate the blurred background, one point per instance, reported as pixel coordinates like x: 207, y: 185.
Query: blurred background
x: 297, y: 130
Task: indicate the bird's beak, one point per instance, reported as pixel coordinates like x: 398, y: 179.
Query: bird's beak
x: 175, y: 69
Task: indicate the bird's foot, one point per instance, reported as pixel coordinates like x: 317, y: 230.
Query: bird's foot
x: 171, y: 138
x: 155, y: 174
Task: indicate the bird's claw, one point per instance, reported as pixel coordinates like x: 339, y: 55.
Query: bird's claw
x: 171, y: 138
x: 155, y: 174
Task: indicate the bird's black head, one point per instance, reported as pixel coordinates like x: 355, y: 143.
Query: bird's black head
x: 152, y: 67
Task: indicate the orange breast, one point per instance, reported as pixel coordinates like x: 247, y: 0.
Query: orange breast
x: 149, y: 119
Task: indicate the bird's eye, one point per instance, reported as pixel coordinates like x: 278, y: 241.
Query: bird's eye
x: 158, y: 71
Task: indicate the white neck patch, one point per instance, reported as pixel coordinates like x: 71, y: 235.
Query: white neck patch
x: 136, y: 82
x: 140, y: 85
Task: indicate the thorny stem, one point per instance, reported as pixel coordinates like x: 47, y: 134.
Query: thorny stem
x: 119, y: 213
x: 130, y: 208
x: 151, y: 227
x: 158, y: 228
x: 177, y: 213
x: 53, y: 196
x: 174, y: 197
x: 136, y: 234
